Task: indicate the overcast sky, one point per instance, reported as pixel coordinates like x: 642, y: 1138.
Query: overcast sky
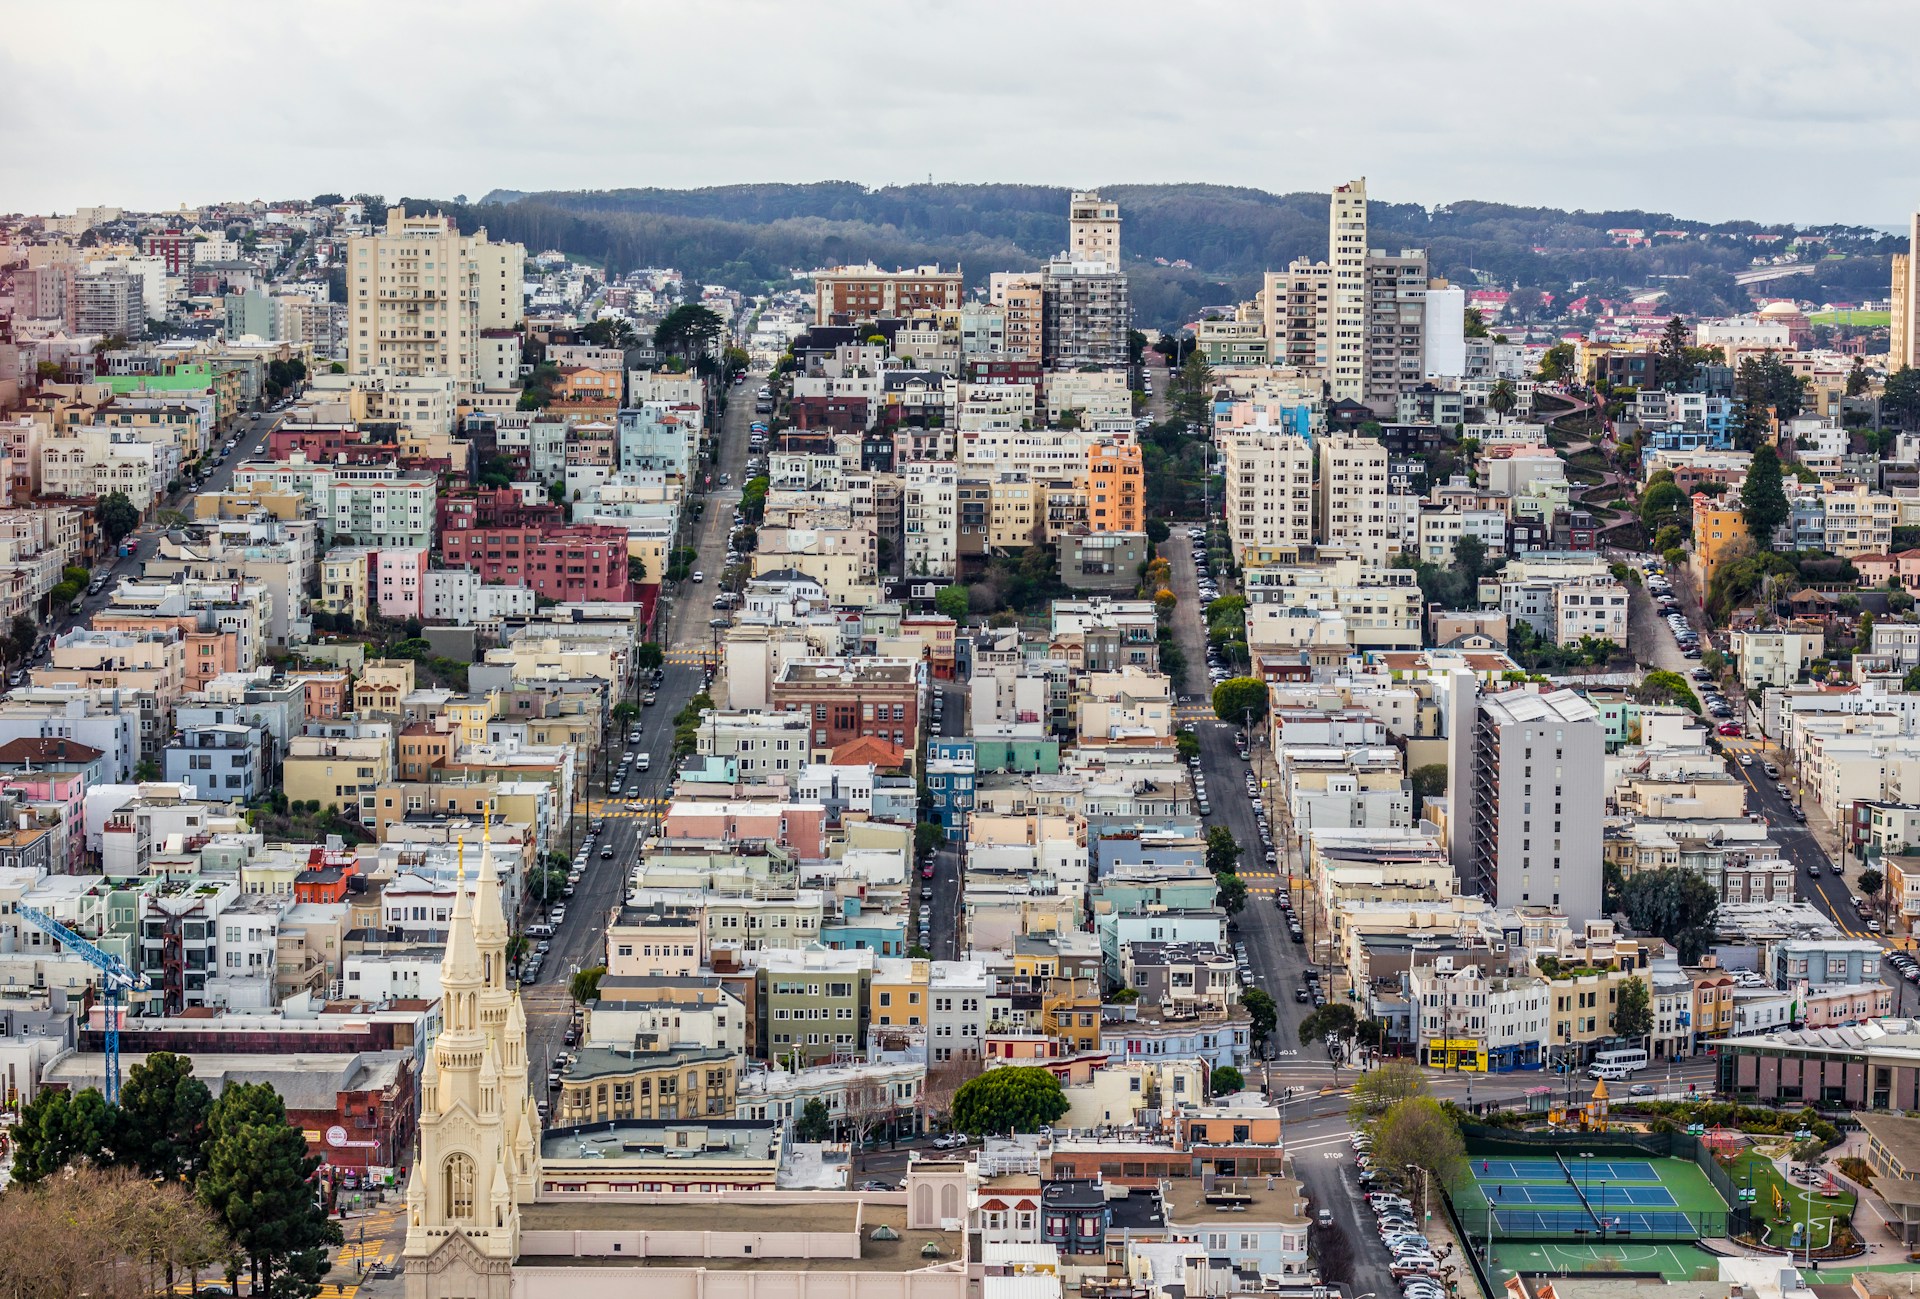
x: 1710, y: 109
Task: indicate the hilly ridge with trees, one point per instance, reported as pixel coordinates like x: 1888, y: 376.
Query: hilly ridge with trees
x: 751, y: 236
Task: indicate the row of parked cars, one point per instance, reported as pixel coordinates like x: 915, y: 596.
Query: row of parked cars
x: 1908, y: 968
x: 1204, y: 576
x: 1415, y: 1266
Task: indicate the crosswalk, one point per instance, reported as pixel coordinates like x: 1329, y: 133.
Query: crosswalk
x: 690, y: 658
x: 595, y: 808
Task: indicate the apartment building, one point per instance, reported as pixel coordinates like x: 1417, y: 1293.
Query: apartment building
x: 1347, y: 293
x: 1905, y: 324
x: 930, y: 518
x: 1353, y: 496
x: 1022, y: 297
x: 361, y: 505
x: 1396, y: 315
x: 1525, y: 813
x: 864, y: 293
x: 1590, y: 606
x: 1116, y: 490
x: 95, y: 461
x: 1093, y: 229
x: 1269, y: 485
x: 420, y: 293
x: 1088, y: 313
x: 568, y: 562
x: 1857, y: 520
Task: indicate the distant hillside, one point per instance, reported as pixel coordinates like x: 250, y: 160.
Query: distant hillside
x: 750, y: 235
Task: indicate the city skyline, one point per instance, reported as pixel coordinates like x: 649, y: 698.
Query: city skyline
x: 1440, y: 113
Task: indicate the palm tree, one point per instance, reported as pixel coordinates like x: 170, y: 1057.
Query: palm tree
x: 1503, y: 399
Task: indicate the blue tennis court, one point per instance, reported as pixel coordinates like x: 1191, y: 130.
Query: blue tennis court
x: 1612, y: 1170
x: 1604, y: 1198
x: 1664, y: 1224
x: 1544, y: 1222
x: 1500, y: 1193
x: 1518, y: 1170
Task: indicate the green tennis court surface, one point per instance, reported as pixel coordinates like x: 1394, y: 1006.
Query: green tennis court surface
x: 1672, y: 1262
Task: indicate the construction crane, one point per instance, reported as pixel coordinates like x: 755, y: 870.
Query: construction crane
x: 115, y: 978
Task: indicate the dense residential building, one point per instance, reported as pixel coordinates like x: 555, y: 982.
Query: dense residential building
x: 420, y: 293
x: 566, y: 561
x: 1524, y: 812
x: 1269, y: 487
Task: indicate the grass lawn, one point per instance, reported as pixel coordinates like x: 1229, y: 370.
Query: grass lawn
x: 1865, y: 319
x: 1799, y: 1200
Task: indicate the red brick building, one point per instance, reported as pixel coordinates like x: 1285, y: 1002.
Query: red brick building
x: 566, y: 562
x: 492, y: 507
x: 850, y: 698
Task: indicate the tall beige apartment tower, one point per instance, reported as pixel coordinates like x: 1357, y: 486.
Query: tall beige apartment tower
x: 1353, y: 496
x: 420, y: 294
x: 1347, y: 295
x: 1904, y: 342
x: 1093, y: 229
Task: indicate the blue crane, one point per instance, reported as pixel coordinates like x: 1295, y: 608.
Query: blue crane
x: 115, y: 978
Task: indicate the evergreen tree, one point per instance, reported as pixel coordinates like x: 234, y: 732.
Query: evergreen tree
x: 1763, y: 502
x: 1674, y: 369
x: 163, y: 1118
x: 259, y: 1181
x: 60, y: 1128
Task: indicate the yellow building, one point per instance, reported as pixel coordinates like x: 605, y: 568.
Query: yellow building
x: 897, y: 997
x: 339, y: 773
x: 1719, y: 534
x: 382, y: 684
x: 1582, y: 1005
x: 343, y: 584
x: 468, y: 716
x: 602, y: 1084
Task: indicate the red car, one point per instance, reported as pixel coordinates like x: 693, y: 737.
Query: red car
x: 926, y: 872
x: 1730, y: 728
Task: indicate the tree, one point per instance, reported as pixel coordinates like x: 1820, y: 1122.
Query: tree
x: 1379, y: 1090
x: 1223, y: 850
x: 1503, y: 399
x: 1674, y: 369
x: 1633, y: 1013
x: 21, y: 634
x: 163, y: 1118
x: 1418, y: 1133
x: 1470, y: 557
x: 1429, y: 781
x: 1336, y: 1019
x: 1232, y: 896
x: 117, y: 516
x: 106, y: 1234
x: 58, y: 1129
x: 259, y: 1183
x: 1475, y: 323
x: 1190, y: 390
x: 1157, y: 531
x: 1901, y: 396
x: 585, y: 985
x: 1015, y: 1099
x: 1226, y: 1080
x: 1668, y: 688
x: 1557, y: 365
x: 952, y: 601
x: 1871, y: 882
x: 649, y: 656
x: 1186, y: 744
x: 1662, y: 505
x: 1240, y: 699
x: 688, y: 331
x: 1262, y: 1014
x: 1857, y: 381
x: 1677, y: 904
x: 1763, y: 502
x: 814, y: 1123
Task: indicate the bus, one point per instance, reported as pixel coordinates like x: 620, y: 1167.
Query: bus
x: 1618, y: 1063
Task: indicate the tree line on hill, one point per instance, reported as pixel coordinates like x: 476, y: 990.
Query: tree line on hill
x: 755, y: 236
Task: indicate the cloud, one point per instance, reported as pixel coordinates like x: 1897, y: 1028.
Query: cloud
x: 1707, y: 108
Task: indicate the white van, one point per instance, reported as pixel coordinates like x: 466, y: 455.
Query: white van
x: 539, y: 931
x: 642, y: 761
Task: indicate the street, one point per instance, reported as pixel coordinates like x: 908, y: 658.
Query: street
x: 686, y: 614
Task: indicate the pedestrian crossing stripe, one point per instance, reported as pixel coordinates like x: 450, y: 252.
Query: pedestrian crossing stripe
x: 690, y: 658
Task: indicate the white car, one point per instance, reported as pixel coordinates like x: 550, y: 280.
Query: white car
x: 698, y: 576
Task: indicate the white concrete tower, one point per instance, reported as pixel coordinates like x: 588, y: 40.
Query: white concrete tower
x: 1347, y: 255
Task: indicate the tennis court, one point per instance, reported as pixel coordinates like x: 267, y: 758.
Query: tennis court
x: 1586, y: 1200
x: 1672, y: 1262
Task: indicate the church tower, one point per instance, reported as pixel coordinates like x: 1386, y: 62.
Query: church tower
x: 463, y: 1222
x: 503, y: 1019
